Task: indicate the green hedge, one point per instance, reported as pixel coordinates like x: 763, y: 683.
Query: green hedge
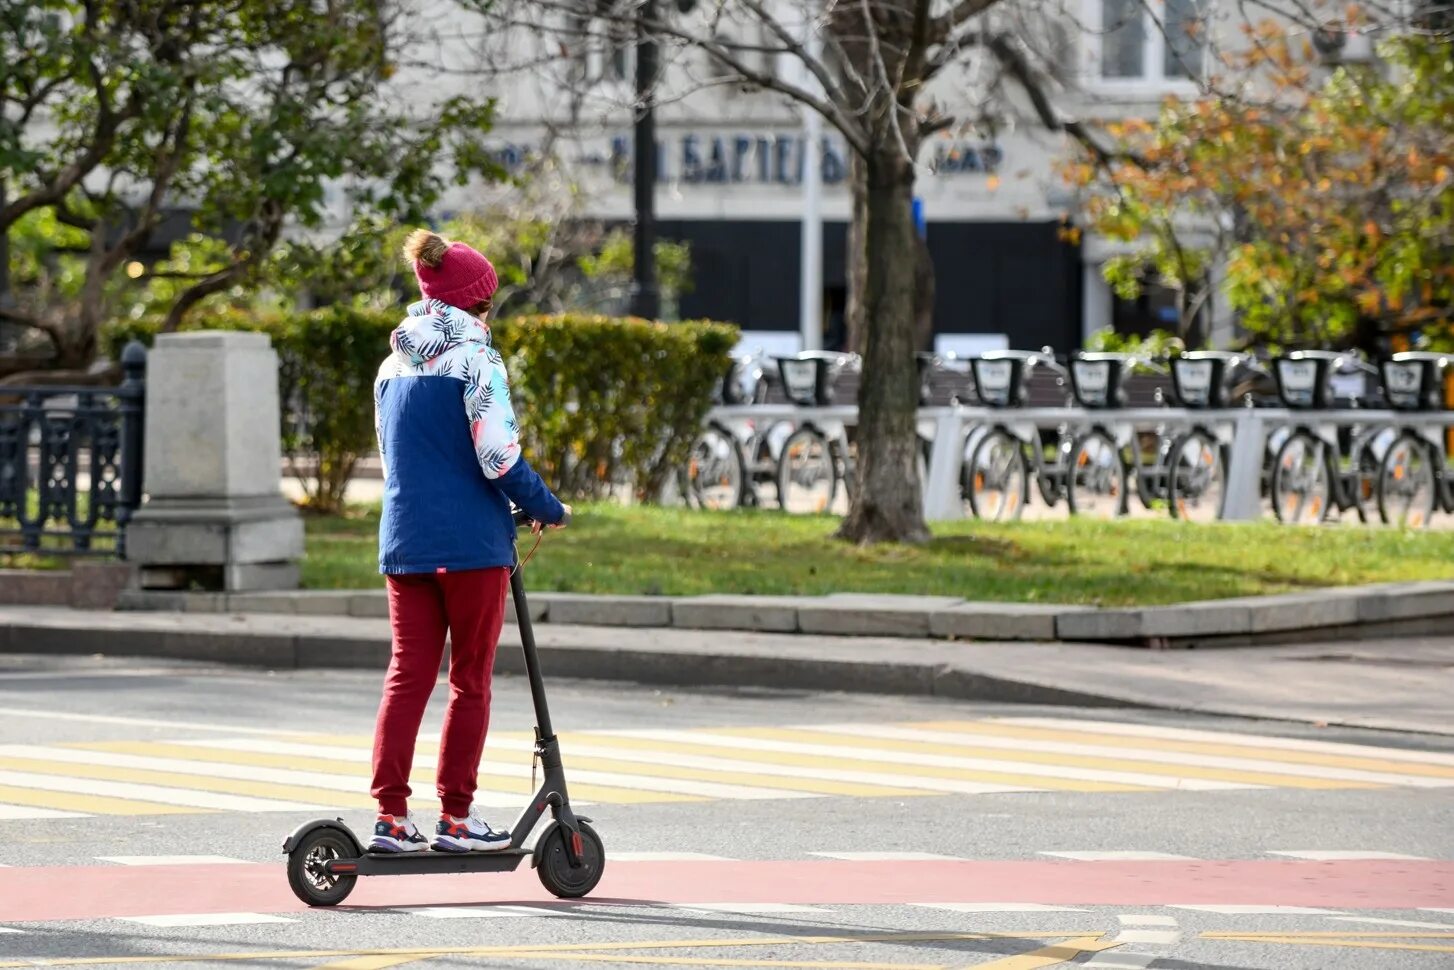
x: 601, y: 400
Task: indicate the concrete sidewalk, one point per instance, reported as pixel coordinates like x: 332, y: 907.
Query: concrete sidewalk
x: 1403, y: 684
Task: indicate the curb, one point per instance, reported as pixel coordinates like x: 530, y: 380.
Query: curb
x: 1389, y: 609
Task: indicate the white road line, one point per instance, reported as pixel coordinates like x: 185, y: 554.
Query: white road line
x: 23, y: 712
x: 25, y: 812
x: 152, y: 793
x: 1128, y: 855
x: 1260, y: 910
x: 888, y: 856
x: 482, y: 911
x: 1145, y: 919
x: 1180, y: 758
x: 172, y: 860
x: 1000, y: 908
x: 667, y: 857
x: 868, y: 753
x: 751, y: 908
x: 1225, y: 737
x: 6, y: 929
x: 1156, y: 937
x: 1428, y: 909
x: 643, y: 782
x: 1412, y: 923
x: 208, y: 919
x: 1335, y: 855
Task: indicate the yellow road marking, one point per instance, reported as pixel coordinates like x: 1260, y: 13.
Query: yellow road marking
x: 1099, y: 762
x: 370, y: 963
x: 1230, y: 748
x: 851, y: 763
x: 1050, y: 956
x: 90, y: 804
x: 421, y: 779
x: 173, y: 779
x: 549, y: 949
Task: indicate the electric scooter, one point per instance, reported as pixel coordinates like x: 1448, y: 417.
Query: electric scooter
x: 325, y: 858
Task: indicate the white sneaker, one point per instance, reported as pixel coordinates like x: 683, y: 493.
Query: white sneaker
x: 469, y: 834
x: 394, y: 834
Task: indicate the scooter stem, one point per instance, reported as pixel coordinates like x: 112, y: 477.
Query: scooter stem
x: 543, y: 727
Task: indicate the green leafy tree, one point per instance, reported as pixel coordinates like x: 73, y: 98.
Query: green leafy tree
x: 1329, y: 205
x: 237, y: 116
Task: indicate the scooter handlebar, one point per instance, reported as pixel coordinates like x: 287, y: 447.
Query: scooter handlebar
x: 522, y: 519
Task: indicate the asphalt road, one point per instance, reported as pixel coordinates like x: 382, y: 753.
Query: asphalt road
x: 143, y: 804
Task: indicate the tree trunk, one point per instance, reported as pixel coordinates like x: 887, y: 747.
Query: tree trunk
x: 923, y: 295
x: 855, y: 313
x: 888, y: 505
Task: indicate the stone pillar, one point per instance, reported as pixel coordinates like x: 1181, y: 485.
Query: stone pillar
x: 214, y: 515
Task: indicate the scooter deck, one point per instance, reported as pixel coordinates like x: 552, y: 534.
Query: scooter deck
x: 413, y: 863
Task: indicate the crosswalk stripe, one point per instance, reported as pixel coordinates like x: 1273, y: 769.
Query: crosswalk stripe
x: 101, y: 767
x: 84, y: 804
x: 151, y: 793
x: 579, y: 777
x: 935, y: 766
x: 208, y: 919
x: 888, y: 856
x: 172, y: 860
x: 1248, y: 771
x: 1125, y: 855
x: 325, y: 774
x: 1439, y: 764
x: 17, y: 812
x: 790, y: 766
x: 1344, y: 855
x: 999, y: 908
x: 1238, y: 910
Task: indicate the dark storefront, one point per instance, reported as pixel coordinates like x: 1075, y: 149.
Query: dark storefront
x: 1020, y: 279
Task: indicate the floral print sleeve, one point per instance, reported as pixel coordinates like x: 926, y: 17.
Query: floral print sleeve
x: 493, y: 428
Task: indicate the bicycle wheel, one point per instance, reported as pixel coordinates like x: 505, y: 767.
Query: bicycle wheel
x: 1152, y: 485
x: 1095, y: 484
x: 1198, y: 477
x: 1407, y: 493
x: 1302, y: 480
x: 807, y: 475
x: 716, y: 471
x: 995, y: 479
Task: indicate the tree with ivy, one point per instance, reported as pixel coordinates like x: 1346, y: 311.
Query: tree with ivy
x: 235, y: 120
x: 1327, y: 200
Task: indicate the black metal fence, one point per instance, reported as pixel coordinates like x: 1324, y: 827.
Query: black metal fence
x: 70, y: 464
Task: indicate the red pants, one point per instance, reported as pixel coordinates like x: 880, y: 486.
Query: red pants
x: 423, y: 607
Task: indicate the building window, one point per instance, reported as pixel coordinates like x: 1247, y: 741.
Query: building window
x: 1151, y: 41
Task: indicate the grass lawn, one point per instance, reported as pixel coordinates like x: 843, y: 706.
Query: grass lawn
x: 611, y: 549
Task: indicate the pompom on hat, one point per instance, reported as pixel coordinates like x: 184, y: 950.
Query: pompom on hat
x: 452, y: 273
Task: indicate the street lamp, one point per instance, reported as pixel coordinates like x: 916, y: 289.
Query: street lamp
x: 645, y: 295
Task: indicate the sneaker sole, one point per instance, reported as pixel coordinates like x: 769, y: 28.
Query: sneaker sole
x: 457, y: 847
x: 392, y: 847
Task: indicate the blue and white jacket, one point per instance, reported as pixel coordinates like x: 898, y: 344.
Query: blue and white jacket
x: 450, y: 446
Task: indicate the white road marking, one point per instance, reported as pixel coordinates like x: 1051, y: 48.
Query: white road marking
x: 868, y: 753
x: 24, y: 712
x: 1335, y: 855
x: 1186, y: 759
x: 1429, y: 909
x: 1226, y: 737
x: 1260, y: 910
x: 208, y: 919
x: 750, y: 908
x: 1128, y: 855
x: 1415, y: 924
x: 7, y: 929
x: 1145, y: 919
x: 1158, y: 937
x: 1117, y: 960
x: 888, y: 856
x: 644, y: 782
x: 1000, y: 908
x: 667, y: 856
x: 153, y: 793
x: 25, y: 811
x: 482, y: 911
x: 172, y: 860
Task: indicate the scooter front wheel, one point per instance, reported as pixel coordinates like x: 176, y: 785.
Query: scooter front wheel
x: 310, y: 881
x: 552, y: 862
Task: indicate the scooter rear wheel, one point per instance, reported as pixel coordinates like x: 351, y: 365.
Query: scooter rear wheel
x: 553, y: 863
x: 306, y: 875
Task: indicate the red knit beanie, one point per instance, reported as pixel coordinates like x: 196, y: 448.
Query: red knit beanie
x: 452, y: 273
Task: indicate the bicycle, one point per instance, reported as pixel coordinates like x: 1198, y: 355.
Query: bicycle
x: 814, y: 462
x: 1412, y: 480
x: 995, y: 480
x: 1312, y: 475
x: 728, y: 464
x: 1098, y: 472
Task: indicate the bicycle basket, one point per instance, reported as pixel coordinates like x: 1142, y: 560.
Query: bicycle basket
x: 808, y: 378
x: 1095, y: 380
x: 1414, y: 380
x: 1302, y: 378
x: 1199, y: 378
x: 997, y: 380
